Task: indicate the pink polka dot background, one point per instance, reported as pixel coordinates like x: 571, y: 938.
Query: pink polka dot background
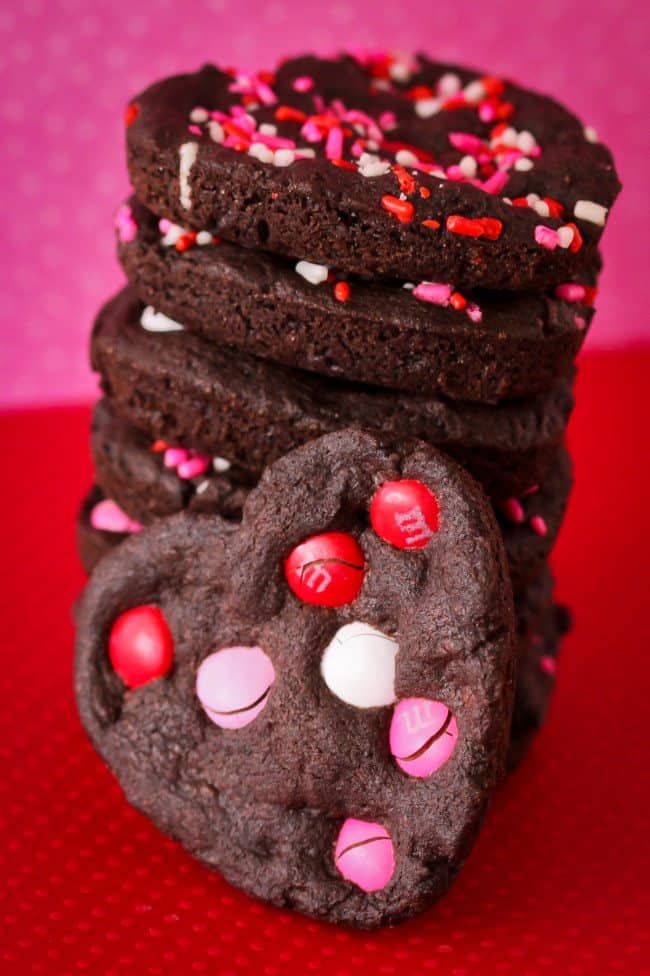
x: 67, y: 68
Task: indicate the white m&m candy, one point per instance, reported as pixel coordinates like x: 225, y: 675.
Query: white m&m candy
x: 358, y: 666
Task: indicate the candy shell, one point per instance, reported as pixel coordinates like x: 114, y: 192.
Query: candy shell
x: 140, y: 646
x: 423, y: 735
x: 233, y: 685
x: 364, y: 854
x: 405, y: 513
x: 358, y: 666
x: 326, y: 570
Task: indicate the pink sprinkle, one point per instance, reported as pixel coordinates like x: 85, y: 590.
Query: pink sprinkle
x: 195, y: 130
x: 334, y: 143
x: 546, y: 236
x: 358, y: 148
x: 125, y: 224
x: 388, y: 121
x: 571, y: 292
x: 265, y: 94
x: 194, y: 466
x: 455, y: 173
x: 175, y: 455
x: 220, y: 116
x: 164, y: 225
x: 429, y: 291
x: 109, y: 517
x: 531, y: 490
x: 474, y: 311
x: 466, y: 143
x: 496, y: 182
x: 311, y: 132
x: 275, y: 142
x: 507, y: 160
x: 235, y: 142
x: 487, y: 112
x: 548, y: 665
x: 535, y: 152
x: 538, y: 525
x: 513, y: 509
x: 580, y: 323
x: 356, y: 117
x: 303, y: 83
x: 319, y: 103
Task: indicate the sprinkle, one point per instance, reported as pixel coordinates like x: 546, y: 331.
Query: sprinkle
x: 479, y: 227
x: 565, y: 237
x: 580, y: 323
x: 406, y: 181
x: 577, y: 241
x: 154, y: 321
x: 185, y: 241
x: 187, y: 157
x: 496, y: 182
x: 284, y: 157
x: 159, y: 445
x: 538, y: 525
x: 468, y: 167
x: 433, y: 224
x: 215, y: 129
x: 522, y: 165
x: 107, y: 516
x: 315, y: 274
x: 194, y: 466
x: 554, y: 208
x: 171, y: 232
x: 342, y: 291
x: 590, y: 134
x: 402, y: 210
x: 548, y: 665
x: 474, y: 92
x: 125, y: 224
x: 202, y: 486
x: 199, y: 115
x: 448, y: 84
x: 131, y: 113
x: 406, y: 158
x: 371, y: 166
x: 571, y: 292
x: 387, y: 121
x: 526, y: 141
x: 458, y: 301
x: 175, y: 456
x: 259, y: 151
x: 592, y: 212
x: 195, y: 130
x: 429, y: 291
x: 531, y: 490
x: 466, y: 143
x: 220, y: 465
x: 546, y: 237
x: 267, y: 129
x: 474, y: 311
x: 204, y: 237
x: 303, y: 83
x: 334, y: 143
x: 286, y: 113
x: 513, y: 509
x: 344, y: 164
x: 425, y: 192
x: 426, y: 107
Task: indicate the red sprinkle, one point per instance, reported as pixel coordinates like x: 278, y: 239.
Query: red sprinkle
x: 131, y: 114
x: 554, y: 208
x: 406, y: 181
x: 590, y: 296
x: 505, y: 110
x: 433, y: 224
x: 342, y: 291
x: 286, y: 113
x: 497, y: 130
x: 343, y: 163
x: 418, y: 92
x: 458, y: 301
x: 186, y: 241
x: 456, y: 101
x: 493, y: 86
x: 577, y: 241
x: 159, y: 446
x: 425, y: 192
x: 421, y: 155
x: 520, y: 202
x: 402, y: 210
x: 479, y: 227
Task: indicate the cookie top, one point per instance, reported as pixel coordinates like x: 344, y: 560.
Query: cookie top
x: 382, y: 166
x: 427, y: 339
x: 203, y: 395
x: 335, y: 673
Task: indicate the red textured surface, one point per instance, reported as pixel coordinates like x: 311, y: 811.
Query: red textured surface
x: 558, y: 882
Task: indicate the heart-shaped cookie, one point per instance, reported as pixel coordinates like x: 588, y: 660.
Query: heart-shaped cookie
x: 316, y: 702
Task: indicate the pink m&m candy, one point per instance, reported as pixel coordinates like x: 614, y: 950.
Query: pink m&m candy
x: 233, y: 685
x: 326, y: 570
x: 140, y: 646
x: 405, y: 513
x: 364, y: 854
x: 423, y: 735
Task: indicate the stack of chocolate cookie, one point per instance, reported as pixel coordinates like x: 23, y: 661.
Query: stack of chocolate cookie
x: 379, y: 243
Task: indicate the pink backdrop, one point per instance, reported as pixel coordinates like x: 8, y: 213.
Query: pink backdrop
x: 67, y: 67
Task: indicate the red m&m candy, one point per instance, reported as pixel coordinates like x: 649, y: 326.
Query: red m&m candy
x: 140, y: 646
x: 405, y: 513
x: 326, y: 570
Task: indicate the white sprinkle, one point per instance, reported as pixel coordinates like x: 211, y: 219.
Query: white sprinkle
x: 259, y: 151
x: 439, y: 174
x: 506, y: 200
x: 220, y: 464
x: 508, y: 137
x: 532, y: 199
x: 203, y: 486
x: 370, y: 165
x: 403, y: 196
x: 590, y: 134
x: 307, y: 151
x: 541, y: 208
x: 474, y: 92
x: 171, y: 235
x: 204, y: 237
x: 284, y: 157
x: 198, y: 115
x: 372, y: 145
x: 523, y: 164
x: 468, y: 167
x: 399, y: 71
x: 408, y: 285
x: 404, y: 157
x: 426, y: 107
x: 267, y: 129
x: 526, y: 141
x: 448, y: 84
x: 154, y: 321
x: 187, y: 157
x: 565, y: 237
x: 216, y: 131
x: 590, y: 211
x: 315, y: 274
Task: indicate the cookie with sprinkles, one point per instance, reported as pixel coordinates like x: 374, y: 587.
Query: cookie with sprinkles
x: 177, y: 387
x: 301, y: 702
x: 377, y: 165
x: 150, y: 479
x: 419, y: 336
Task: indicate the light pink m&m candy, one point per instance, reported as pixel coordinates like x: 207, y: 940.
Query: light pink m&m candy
x: 423, y: 735
x: 233, y: 685
x: 364, y: 854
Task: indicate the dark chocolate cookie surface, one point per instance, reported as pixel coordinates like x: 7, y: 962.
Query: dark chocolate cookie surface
x: 246, y: 732
x: 394, y: 167
x: 430, y: 339
x: 179, y: 387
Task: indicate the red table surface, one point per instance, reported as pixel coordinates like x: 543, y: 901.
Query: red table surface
x: 558, y: 881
